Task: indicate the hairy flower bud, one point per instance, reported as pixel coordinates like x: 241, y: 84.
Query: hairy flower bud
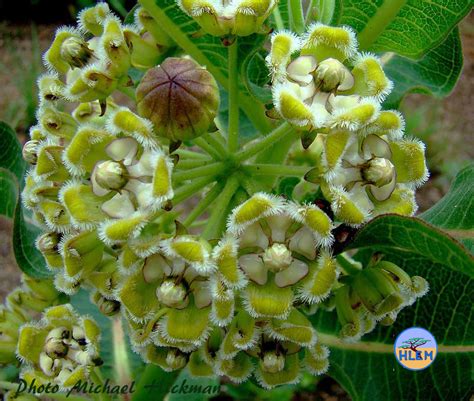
x: 379, y: 171
x: 277, y: 258
x: 110, y: 174
x: 179, y: 97
x: 75, y: 52
x: 171, y: 294
x: 331, y: 74
x: 272, y: 362
x: 30, y: 151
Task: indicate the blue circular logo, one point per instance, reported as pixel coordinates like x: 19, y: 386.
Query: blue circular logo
x: 415, y: 348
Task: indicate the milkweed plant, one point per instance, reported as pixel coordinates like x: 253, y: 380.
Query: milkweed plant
x: 209, y: 200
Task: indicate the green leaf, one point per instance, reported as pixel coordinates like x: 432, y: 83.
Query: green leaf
x: 8, y: 192
x: 28, y: 258
x: 414, y: 238
x: 207, y: 50
x: 435, y: 74
x: 446, y: 311
x: 454, y: 213
x: 407, y: 27
x: 10, y: 152
x: 12, y: 169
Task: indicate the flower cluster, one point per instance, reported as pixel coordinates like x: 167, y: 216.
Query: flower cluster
x: 33, y: 296
x: 104, y: 181
x: 61, y: 348
x: 323, y: 86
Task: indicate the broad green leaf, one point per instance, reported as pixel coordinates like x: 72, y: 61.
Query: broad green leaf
x: 368, y: 369
x: 8, y: 192
x: 12, y: 169
x: 407, y: 27
x: 435, y: 74
x: 246, y: 129
x: 28, y: 258
x: 454, y: 213
x: 207, y: 50
x: 10, y: 152
x: 414, y: 238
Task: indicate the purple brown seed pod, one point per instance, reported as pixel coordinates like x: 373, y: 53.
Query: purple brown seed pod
x: 180, y: 97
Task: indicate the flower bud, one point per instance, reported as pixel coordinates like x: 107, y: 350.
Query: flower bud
x: 55, y: 348
x: 175, y: 359
x: 30, y: 151
x: 75, y: 51
x: 111, y: 175
x: 171, y: 294
x: 179, y: 97
x: 277, y: 258
x: 272, y: 362
x: 92, y: 19
x: 379, y: 171
x: 331, y: 75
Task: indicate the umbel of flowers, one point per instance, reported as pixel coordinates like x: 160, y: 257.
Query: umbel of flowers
x: 106, y: 181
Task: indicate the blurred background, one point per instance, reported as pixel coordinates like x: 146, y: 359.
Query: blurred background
x: 26, y: 31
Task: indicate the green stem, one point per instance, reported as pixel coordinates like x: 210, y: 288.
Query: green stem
x: 296, y: 16
x: 191, y: 154
x: 382, y: 18
x: 210, y: 169
x: 207, y: 147
x: 8, y: 385
x: 218, y: 215
x: 255, y: 148
x: 349, y: 266
x: 193, y: 163
x: 278, y: 20
x: 162, y: 381
x: 213, y: 140
x: 276, y: 169
x: 233, y: 129
x: 203, y: 204
x: 188, y: 190
x: 128, y: 91
x: 250, y: 186
x: 97, y: 380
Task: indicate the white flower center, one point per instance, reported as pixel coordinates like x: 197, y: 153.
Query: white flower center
x: 330, y: 74
x: 379, y: 171
x: 273, y: 363
x: 111, y: 175
x: 171, y: 294
x: 277, y: 257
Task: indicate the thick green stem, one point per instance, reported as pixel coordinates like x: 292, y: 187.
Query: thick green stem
x: 210, y: 169
x: 349, y: 266
x: 276, y: 169
x: 213, y: 140
x: 203, y: 204
x: 193, y: 163
x: 188, y: 190
x: 278, y: 20
x: 154, y: 376
x: 128, y: 91
x: 233, y: 130
x: 97, y: 380
x: 208, y: 148
x: 382, y: 18
x: 218, y: 216
x: 296, y: 16
x: 191, y: 155
x: 264, y: 143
